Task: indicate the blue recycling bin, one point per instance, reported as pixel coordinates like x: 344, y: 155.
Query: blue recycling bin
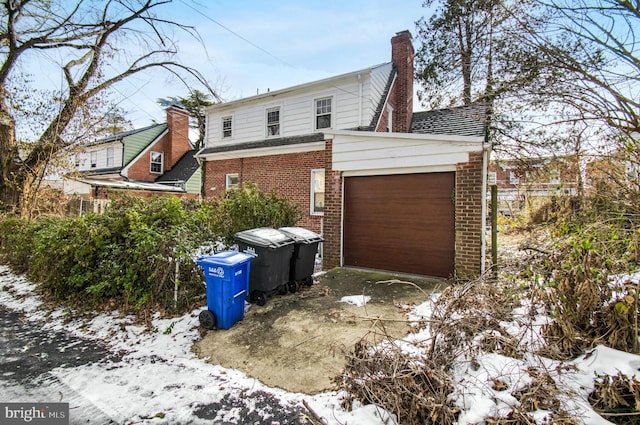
x: 227, y: 279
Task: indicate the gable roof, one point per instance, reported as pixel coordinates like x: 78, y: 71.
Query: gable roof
x: 183, y: 170
x: 460, y: 121
x: 122, y: 135
x: 274, y: 93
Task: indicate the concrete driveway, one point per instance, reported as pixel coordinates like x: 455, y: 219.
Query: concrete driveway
x: 297, y: 341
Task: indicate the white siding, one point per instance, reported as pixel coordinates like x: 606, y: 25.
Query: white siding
x: 358, y: 153
x: 101, y: 152
x: 355, y: 99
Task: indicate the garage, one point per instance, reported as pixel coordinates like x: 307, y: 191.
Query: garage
x: 401, y: 222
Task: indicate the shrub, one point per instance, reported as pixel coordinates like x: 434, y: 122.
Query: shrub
x: 248, y: 207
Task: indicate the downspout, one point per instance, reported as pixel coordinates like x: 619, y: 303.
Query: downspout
x: 360, y: 89
x: 486, y: 151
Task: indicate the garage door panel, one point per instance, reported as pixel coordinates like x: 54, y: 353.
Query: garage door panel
x: 400, y: 223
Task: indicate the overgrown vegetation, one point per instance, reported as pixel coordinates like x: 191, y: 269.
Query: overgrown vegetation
x: 135, y: 254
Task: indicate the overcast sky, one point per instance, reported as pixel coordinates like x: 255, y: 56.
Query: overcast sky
x: 257, y: 45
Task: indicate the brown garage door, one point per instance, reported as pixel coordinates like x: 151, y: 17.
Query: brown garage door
x: 402, y: 223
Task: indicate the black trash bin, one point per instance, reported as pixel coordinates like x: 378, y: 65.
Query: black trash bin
x: 304, y: 255
x: 272, y: 251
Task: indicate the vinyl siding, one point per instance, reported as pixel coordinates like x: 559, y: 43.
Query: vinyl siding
x: 101, y: 157
x: 194, y: 184
x: 136, y: 143
x: 354, y: 104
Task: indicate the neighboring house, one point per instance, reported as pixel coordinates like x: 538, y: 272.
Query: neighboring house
x: 522, y: 183
x: 158, y: 159
x: 388, y: 188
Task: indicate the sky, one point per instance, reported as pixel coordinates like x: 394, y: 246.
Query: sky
x: 253, y: 46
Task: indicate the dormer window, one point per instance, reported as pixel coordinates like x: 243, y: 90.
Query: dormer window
x: 227, y: 126
x: 273, y: 121
x: 94, y: 159
x: 323, y: 113
x: 109, y: 157
x: 156, y: 162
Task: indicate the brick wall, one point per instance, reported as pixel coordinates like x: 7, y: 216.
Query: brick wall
x: 332, y: 212
x: 469, y: 217
x: 287, y: 175
x: 402, y: 55
x: 141, y: 168
x: 178, y: 123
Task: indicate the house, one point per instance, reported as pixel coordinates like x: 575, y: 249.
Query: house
x: 157, y: 159
x: 525, y: 182
x: 389, y: 189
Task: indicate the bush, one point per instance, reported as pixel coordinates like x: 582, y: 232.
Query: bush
x: 129, y: 254
x: 248, y: 207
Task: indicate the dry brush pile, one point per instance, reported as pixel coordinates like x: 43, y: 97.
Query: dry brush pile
x: 581, y: 281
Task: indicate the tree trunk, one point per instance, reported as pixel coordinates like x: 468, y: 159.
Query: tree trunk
x: 9, y: 192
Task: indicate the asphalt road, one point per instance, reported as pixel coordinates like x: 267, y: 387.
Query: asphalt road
x: 28, y: 354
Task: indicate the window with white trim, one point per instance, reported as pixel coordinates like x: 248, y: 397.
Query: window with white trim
x: 109, y: 157
x: 389, y: 118
x: 156, y: 165
x: 554, y: 177
x: 94, y: 159
x: 323, y: 113
x: 227, y: 126
x: 273, y: 121
x: 317, y: 192
x: 513, y: 178
x: 232, y: 180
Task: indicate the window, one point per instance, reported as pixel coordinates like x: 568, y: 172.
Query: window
x: 94, y: 159
x: 323, y: 113
x: 389, y: 119
x: 109, y: 157
x: 273, y: 121
x: 317, y: 192
x: 492, y: 178
x: 513, y: 178
x: 227, y: 124
x: 233, y: 180
x: 156, y: 162
x: 76, y: 160
x: 554, y: 177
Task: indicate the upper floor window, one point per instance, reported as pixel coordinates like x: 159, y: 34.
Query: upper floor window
x: 109, y: 157
x: 513, y: 178
x: 389, y: 119
x: 317, y: 192
x: 94, y: 159
x: 273, y: 121
x: 156, y: 162
x: 323, y: 113
x: 554, y: 177
x: 492, y: 178
x: 227, y: 126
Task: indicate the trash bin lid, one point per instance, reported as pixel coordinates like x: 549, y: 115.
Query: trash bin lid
x: 264, y: 237
x: 224, y: 258
x: 301, y: 235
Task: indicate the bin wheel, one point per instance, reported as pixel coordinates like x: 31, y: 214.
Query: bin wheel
x: 260, y: 298
x: 207, y: 319
x: 308, y: 281
x: 293, y: 287
x: 282, y: 289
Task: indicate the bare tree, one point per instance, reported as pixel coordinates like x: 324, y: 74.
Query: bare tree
x: 92, y: 37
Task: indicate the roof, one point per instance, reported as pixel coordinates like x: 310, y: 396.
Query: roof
x: 460, y: 121
x: 120, y: 136
x: 274, y: 93
x: 281, y: 141
x: 183, y: 170
x: 131, y: 185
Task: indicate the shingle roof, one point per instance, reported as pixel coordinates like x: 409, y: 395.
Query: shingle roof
x: 183, y: 170
x: 267, y: 143
x: 461, y: 121
x: 120, y: 136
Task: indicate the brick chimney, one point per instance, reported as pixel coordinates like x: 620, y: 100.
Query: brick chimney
x: 402, y: 54
x: 178, y: 123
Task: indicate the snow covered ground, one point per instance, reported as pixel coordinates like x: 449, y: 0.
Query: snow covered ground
x: 159, y: 380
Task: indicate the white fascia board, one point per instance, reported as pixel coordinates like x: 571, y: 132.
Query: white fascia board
x: 266, y: 151
x: 125, y: 170
x: 471, y: 140
x: 404, y: 170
